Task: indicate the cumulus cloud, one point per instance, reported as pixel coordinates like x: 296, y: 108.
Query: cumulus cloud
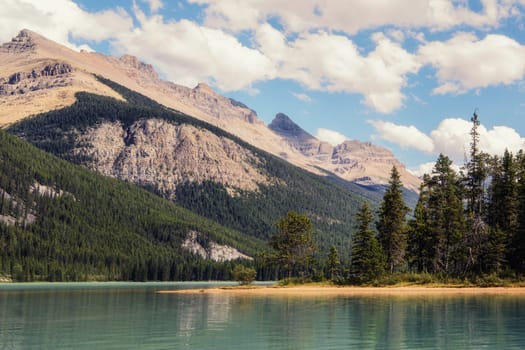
x: 422, y: 169
x: 404, y: 136
x: 378, y: 76
x: 451, y: 137
x: 465, y: 62
x: 332, y: 137
x: 189, y: 53
x: 59, y: 20
x: 352, y: 16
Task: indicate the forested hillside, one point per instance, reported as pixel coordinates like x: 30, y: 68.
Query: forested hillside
x: 331, y: 206
x: 59, y: 222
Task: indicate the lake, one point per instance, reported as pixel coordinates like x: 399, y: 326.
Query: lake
x: 133, y: 316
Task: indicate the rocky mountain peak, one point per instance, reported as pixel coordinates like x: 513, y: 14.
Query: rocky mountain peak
x: 204, y: 88
x: 286, y: 127
x: 23, y: 42
x: 134, y: 63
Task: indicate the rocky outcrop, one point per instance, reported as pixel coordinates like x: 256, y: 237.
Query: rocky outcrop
x: 203, y: 98
x: 136, y: 69
x: 214, y: 251
x: 23, y: 42
x: 159, y: 153
x: 49, y: 76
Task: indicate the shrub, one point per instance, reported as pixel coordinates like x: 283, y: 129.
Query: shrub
x: 244, y: 275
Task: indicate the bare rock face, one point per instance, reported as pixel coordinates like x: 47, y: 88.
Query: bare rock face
x: 48, y: 76
x: 23, y: 42
x: 136, y: 68
x: 214, y: 251
x: 159, y: 153
x: 203, y: 98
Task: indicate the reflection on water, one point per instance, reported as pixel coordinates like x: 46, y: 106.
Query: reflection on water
x: 137, y: 318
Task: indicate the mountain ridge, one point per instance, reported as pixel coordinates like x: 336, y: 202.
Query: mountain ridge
x: 30, y: 50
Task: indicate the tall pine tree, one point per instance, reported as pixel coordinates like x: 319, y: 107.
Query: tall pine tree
x: 477, y: 232
x: 392, y: 225
x: 367, y: 262
x: 420, y: 246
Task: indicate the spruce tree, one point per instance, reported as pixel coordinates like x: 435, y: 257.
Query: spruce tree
x: 477, y: 232
x: 293, y: 244
x: 419, y: 245
x: 392, y: 226
x: 447, y: 220
x: 367, y: 261
x: 333, y: 264
x: 436, y: 230
x: 503, y: 210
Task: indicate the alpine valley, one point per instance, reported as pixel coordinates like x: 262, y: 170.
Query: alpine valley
x: 217, y: 179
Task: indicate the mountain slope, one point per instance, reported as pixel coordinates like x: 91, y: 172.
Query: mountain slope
x: 30, y: 83
x: 206, y: 184
x: 61, y: 222
x: 361, y: 162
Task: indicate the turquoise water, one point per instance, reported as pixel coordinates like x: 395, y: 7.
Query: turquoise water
x: 133, y: 316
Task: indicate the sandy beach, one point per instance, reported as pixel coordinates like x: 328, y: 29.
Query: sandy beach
x: 315, y: 291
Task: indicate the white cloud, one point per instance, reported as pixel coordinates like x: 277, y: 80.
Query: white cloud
x: 60, y: 19
x: 332, y: 137
x: 188, y: 53
x: 422, y: 169
x: 465, y: 62
x: 352, y: 16
x: 404, y: 136
x: 154, y: 5
x: 378, y: 76
x: 451, y: 137
x: 302, y: 97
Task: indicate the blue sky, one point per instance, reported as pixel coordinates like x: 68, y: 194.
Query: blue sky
x: 403, y: 74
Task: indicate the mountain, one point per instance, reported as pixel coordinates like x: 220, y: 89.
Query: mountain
x: 352, y: 160
x: 38, y: 75
x: 59, y: 222
x: 194, y: 164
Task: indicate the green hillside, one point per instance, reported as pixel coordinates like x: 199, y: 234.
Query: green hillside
x: 331, y: 206
x: 61, y: 222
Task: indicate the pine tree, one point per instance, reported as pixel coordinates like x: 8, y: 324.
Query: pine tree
x: 293, y: 244
x: 477, y: 233
x: 367, y: 261
x: 438, y: 224
x: 502, y: 213
x: 392, y: 226
x: 503, y: 194
x: 419, y: 245
x: 447, y: 220
x: 333, y: 264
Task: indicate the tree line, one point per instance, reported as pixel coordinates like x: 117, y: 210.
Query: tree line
x: 467, y: 225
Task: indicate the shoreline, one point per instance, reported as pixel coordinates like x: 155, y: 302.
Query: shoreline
x: 318, y: 291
